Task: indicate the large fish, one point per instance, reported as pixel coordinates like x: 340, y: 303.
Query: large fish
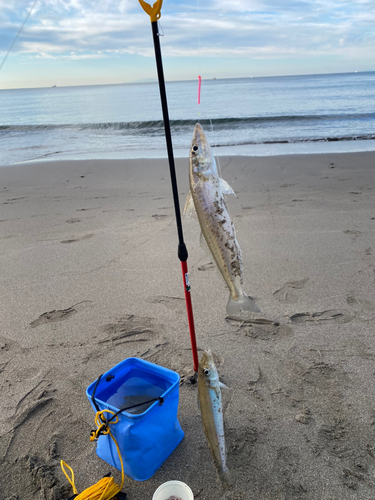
x: 209, y: 395
x: 206, y: 196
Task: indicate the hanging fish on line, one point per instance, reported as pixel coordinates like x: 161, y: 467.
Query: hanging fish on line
x: 206, y: 198
x: 209, y: 395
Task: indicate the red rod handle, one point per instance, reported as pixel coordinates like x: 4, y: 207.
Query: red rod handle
x: 189, y: 309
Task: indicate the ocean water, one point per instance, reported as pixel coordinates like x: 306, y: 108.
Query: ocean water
x: 255, y: 116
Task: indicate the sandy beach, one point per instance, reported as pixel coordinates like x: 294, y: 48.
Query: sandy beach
x: 89, y: 255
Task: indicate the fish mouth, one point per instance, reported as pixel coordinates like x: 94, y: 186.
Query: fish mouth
x: 200, y: 139
x: 199, y: 136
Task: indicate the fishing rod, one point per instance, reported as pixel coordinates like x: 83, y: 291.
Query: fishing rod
x: 154, y: 13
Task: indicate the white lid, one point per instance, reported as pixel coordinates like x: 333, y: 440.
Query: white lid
x: 173, y: 488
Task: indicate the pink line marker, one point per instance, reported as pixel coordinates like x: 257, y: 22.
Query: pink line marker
x: 199, y: 89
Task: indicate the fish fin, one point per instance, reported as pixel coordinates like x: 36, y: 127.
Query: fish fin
x: 223, y: 386
x: 225, y: 187
x: 218, y: 166
x: 241, y: 308
x: 189, y: 210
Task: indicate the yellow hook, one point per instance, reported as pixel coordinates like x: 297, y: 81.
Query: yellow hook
x: 154, y: 11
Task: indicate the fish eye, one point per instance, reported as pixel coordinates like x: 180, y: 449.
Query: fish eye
x: 195, y: 148
x: 206, y: 371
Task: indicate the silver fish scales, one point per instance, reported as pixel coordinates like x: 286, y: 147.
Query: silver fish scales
x: 206, y: 197
x: 209, y: 395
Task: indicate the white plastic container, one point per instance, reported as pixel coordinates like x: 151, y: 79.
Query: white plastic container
x: 177, y: 489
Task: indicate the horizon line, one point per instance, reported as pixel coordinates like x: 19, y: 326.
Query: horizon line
x: 148, y: 81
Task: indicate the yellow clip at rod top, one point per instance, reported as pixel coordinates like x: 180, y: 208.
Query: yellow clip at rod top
x: 154, y: 11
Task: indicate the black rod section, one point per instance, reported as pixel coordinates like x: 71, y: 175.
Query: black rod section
x: 182, y: 251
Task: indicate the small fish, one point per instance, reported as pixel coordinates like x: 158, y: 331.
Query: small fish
x: 209, y: 395
x: 206, y: 197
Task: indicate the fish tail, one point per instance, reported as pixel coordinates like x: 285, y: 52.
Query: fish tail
x: 242, y: 307
x: 225, y: 479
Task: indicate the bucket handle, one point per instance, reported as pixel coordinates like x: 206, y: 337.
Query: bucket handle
x: 105, y: 421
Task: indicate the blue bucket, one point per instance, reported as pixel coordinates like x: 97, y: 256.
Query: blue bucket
x: 149, y: 432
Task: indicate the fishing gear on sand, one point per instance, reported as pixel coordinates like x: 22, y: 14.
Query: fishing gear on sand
x: 106, y: 488
x: 154, y: 13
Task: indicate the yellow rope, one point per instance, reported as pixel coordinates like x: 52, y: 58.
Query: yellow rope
x: 106, y: 488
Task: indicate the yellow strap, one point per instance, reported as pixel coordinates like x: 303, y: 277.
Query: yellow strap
x: 71, y: 480
x: 106, y: 488
x: 154, y: 11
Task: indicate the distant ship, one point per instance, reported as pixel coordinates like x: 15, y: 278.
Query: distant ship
x: 53, y: 86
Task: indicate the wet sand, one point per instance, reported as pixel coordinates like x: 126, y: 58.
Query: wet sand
x: 90, y: 276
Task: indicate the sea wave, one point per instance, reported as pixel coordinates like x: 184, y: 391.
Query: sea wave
x: 156, y: 126
x: 363, y: 137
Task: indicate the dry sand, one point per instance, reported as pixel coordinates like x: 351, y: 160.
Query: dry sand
x: 94, y: 245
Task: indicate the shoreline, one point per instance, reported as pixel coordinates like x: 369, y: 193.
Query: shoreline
x: 252, y: 150
x: 93, y: 243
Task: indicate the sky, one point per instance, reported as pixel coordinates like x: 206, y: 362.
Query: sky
x: 85, y: 42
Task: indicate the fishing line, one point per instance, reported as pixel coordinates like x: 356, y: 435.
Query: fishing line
x: 160, y: 27
x: 214, y: 148
x: 199, y: 37
x: 199, y: 57
x: 200, y: 86
x: 18, y: 34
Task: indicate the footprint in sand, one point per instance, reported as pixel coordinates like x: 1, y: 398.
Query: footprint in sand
x: 73, y: 220
x: 59, y: 315
x: 261, y: 328
x: 16, y: 218
x: 206, y: 267
x: 86, y: 209
x: 176, y: 304
x: 286, y: 293
x: 10, y: 201
x: 335, y: 438
x: 128, y: 329
x: 73, y: 240
x: 29, y: 427
x: 28, y: 417
x: 352, y: 477
x: 354, y: 301
x: 285, y: 465
x: 339, y: 438
x: 39, y: 475
x: 354, y: 232
x: 240, y: 443
x: 159, y: 216
x: 337, y: 315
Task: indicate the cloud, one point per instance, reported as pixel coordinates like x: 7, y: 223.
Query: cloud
x: 214, y: 28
